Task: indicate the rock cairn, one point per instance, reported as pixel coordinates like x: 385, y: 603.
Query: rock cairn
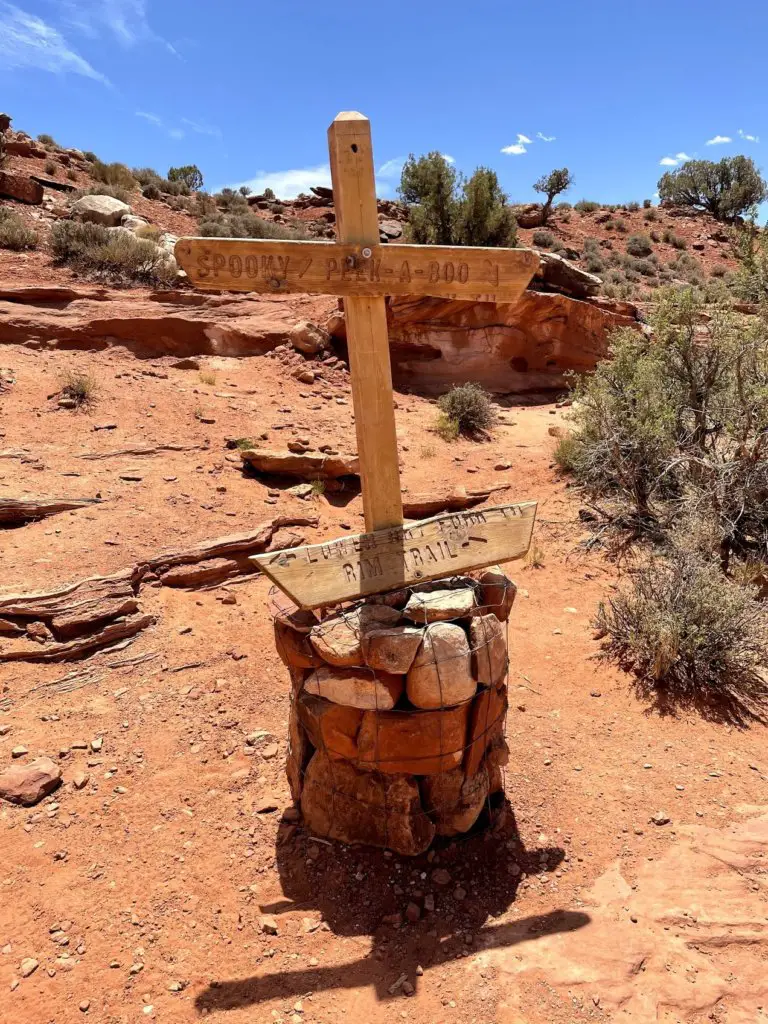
x: 398, y: 710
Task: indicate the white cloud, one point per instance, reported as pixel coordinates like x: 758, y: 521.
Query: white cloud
x: 448, y: 158
x: 517, y: 148
x: 748, y: 137
x: 545, y: 138
x: 718, y: 140
x: 202, y: 129
x: 288, y: 184
x: 26, y: 41
x: 152, y: 118
x: 392, y: 168
x: 673, y: 161
x: 158, y: 122
x: 126, y: 20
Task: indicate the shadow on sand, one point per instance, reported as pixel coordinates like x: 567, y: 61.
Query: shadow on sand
x: 354, y: 888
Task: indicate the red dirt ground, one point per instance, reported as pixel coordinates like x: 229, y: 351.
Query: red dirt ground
x: 154, y: 876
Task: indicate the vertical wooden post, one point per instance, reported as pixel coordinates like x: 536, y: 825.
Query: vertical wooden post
x: 354, y: 197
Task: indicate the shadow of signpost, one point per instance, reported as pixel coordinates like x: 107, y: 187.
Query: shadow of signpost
x: 355, y: 888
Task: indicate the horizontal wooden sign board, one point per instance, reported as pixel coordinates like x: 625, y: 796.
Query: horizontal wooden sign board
x: 370, y: 563
x: 334, y: 268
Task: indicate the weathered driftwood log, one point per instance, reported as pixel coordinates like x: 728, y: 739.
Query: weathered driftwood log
x: 417, y: 506
x: 306, y: 465
x: 15, y: 511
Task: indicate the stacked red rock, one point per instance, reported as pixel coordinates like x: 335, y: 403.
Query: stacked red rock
x: 397, y: 719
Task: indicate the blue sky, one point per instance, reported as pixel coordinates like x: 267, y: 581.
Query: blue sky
x: 246, y: 90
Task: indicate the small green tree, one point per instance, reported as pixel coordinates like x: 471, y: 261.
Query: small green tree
x: 268, y: 193
x: 428, y: 186
x: 727, y: 189
x: 189, y: 175
x: 482, y: 216
x: 552, y: 185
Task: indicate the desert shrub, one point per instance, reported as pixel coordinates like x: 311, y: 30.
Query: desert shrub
x: 113, y: 174
x: 106, y: 190
x: 647, y: 204
x: 268, y: 193
x: 633, y: 207
x: 80, y: 387
x: 674, y: 240
x: 428, y: 186
x: 244, y: 225
x: 90, y: 156
x: 564, y: 206
x: 551, y: 185
x: 729, y: 188
x: 48, y: 141
x: 445, y: 209
x: 14, y: 233
x: 645, y: 268
x: 146, y: 175
x: 151, y: 191
x: 469, y: 406
x: 72, y: 174
x: 446, y: 427
x: 639, y: 245
x: 593, y: 264
x: 50, y: 168
x: 245, y: 190
x: 150, y: 232
x: 621, y: 227
x: 689, y: 634
x: 650, y: 215
x: 116, y: 256
x: 586, y: 206
x: 655, y: 236
x: 543, y: 239
x: 189, y: 175
x: 718, y: 270
x: 482, y: 215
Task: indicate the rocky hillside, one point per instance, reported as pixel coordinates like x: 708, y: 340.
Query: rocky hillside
x: 634, y: 249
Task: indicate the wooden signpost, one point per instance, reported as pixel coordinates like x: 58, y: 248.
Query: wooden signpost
x: 363, y: 271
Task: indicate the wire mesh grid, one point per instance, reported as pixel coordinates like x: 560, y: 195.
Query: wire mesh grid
x: 378, y: 757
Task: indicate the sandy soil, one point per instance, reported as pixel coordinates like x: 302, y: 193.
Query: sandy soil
x: 155, y: 875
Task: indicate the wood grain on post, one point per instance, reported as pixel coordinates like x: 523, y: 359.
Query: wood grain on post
x: 354, y: 192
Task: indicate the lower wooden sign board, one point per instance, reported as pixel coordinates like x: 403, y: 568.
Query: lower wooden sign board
x: 370, y: 563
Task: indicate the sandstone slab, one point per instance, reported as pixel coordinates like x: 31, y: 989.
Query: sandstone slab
x: 104, y: 210
x: 441, y: 674
x: 307, y: 465
x: 28, y: 783
x: 20, y: 187
x: 332, y: 728
x: 339, y: 640
x: 486, y: 727
x: 454, y: 800
x: 422, y: 743
x: 292, y: 641
x: 497, y: 592
x: 440, y: 605
x: 356, y: 688
x: 487, y: 637
x: 392, y: 649
x: 352, y: 806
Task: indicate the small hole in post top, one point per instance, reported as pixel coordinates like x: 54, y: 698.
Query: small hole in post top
x: 353, y: 147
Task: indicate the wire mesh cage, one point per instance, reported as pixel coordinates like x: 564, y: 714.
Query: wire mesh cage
x: 398, y: 710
